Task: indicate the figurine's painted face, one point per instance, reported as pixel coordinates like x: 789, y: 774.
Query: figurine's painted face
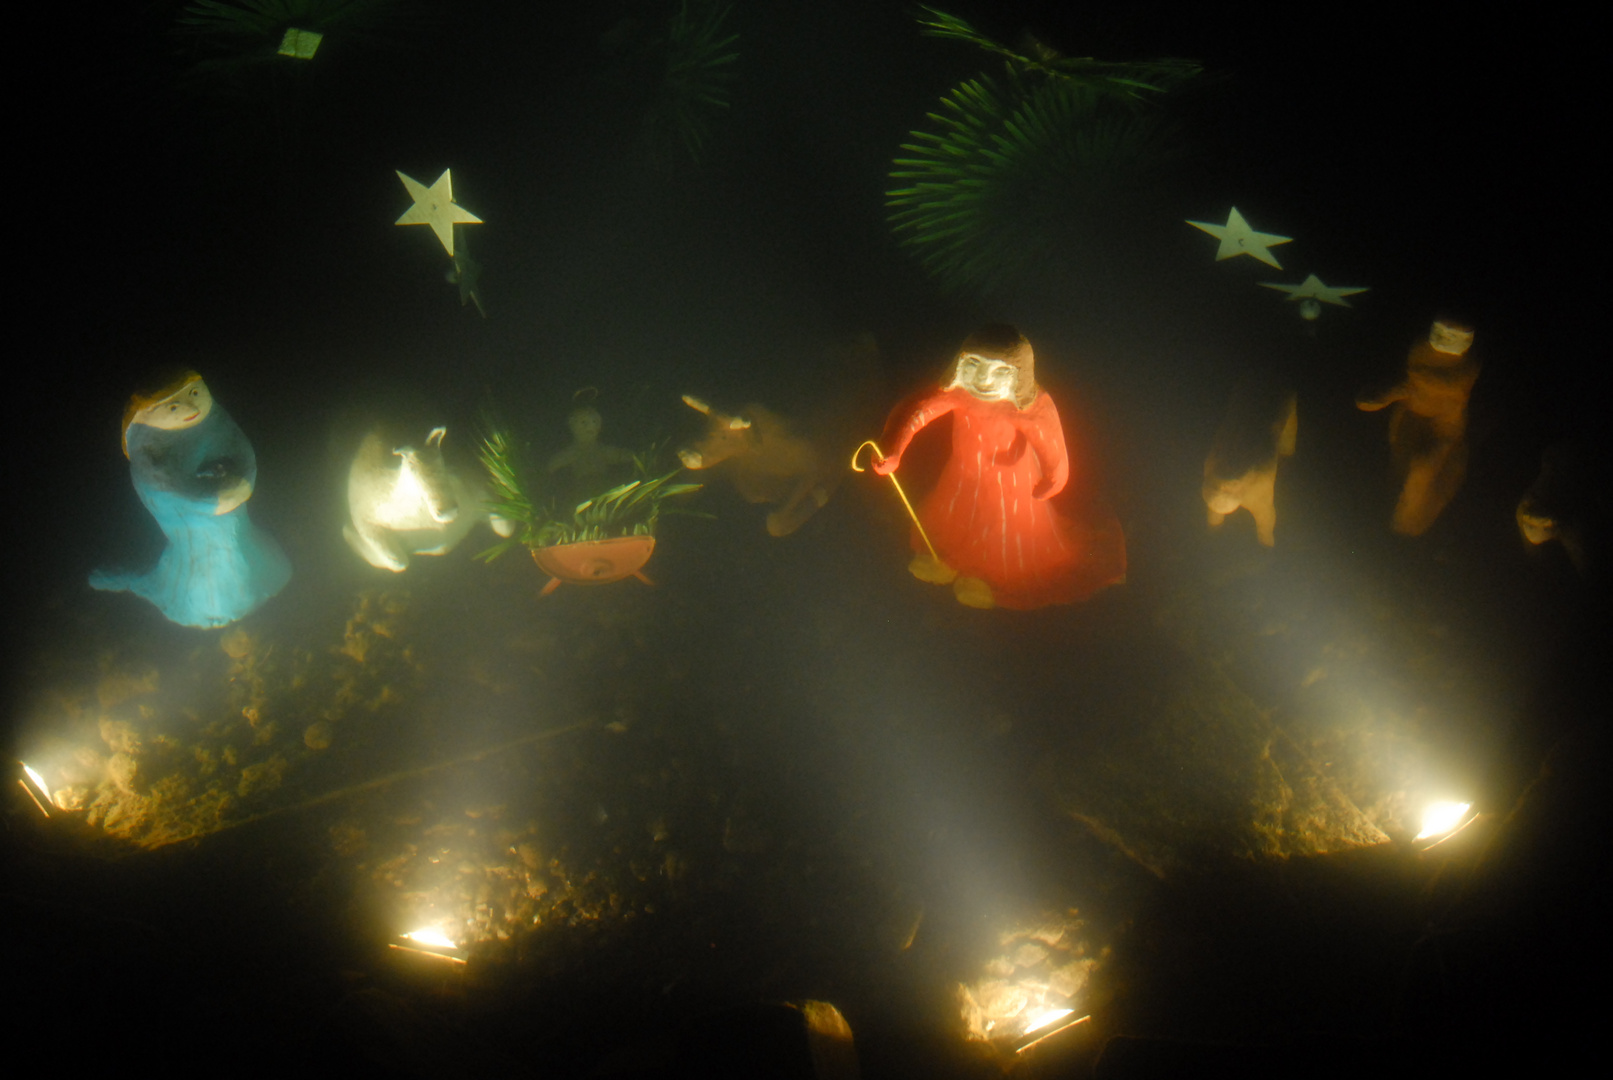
x: 188, y: 405
x: 986, y: 378
x: 1536, y: 527
x: 585, y: 424
x: 1452, y: 339
x: 1309, y: 308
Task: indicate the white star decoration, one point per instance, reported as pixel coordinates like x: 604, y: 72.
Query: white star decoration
x: 1313, y: 289
x: 1237, y: 238
x: 435, y: 206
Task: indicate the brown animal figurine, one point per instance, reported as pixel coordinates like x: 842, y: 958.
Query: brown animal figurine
x: 766, y: 462
x: 796, y: 467
x: 1428, y: 428
x: 1259, y: 430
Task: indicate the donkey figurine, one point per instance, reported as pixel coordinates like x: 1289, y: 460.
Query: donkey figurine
x: 1260, y: 429
x: 409, y: 502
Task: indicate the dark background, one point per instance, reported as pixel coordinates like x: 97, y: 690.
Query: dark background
x: 1442, y: 161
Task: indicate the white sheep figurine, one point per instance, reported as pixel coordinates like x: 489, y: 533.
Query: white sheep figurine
x: 409, y: 502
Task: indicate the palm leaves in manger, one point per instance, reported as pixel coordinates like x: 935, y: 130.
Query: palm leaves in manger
x: 1017, y: 170
x: 630, y: 509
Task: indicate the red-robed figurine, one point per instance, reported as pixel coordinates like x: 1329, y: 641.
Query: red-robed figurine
x: 999, y: 539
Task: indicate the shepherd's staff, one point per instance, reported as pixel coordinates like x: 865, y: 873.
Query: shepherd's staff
x: 916, y: 523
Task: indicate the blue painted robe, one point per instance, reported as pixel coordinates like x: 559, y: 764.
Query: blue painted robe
x: 216, y: 568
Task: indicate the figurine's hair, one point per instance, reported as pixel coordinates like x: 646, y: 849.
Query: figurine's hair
x: 1000, y: 341
x: 162, y: 383
x: 996, y: 339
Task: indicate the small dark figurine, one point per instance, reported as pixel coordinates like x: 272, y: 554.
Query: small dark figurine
x: 194, y: 471
x: 587, y: 457
x: 1565, y: 504
x: 1241, y: 470
x: 1428, y: 426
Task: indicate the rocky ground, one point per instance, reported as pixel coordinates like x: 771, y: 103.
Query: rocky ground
x: 786, y: 774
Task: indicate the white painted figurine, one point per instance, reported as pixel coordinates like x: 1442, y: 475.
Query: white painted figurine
x: 407, y: 501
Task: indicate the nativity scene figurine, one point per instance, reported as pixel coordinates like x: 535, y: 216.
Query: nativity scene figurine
x: 407, y: 501
x: 194, y: 471
x: 1428, y: 424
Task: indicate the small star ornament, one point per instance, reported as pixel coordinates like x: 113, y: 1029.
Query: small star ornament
x: 1237, y: 238
x: 435, y: 206
x: 1312, y: 294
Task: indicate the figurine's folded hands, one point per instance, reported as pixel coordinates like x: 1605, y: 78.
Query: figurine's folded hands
x: 232, y: 495
x: 224, y: 480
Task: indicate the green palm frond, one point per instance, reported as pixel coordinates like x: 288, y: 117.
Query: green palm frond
x: 1011, y: 173
x: 499, y: 457
x: 630, y: 509
x: 697, y: 59
x: 941, y: 24
x: 1133, y: 79
x: 266, y: 17
x: 507, y: 493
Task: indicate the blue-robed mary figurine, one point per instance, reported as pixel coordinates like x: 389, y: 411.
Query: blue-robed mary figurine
x: 194, y: 470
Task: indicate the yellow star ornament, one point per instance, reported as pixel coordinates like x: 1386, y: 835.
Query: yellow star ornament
x: 1237, y: 238
x: 1313, y: 289
x: 435, y: 206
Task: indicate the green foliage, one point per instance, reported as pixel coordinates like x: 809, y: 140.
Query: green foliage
x: 509, y: 499
x: 231, y: 49
x: 696, y: 74
x: 1136, y: 80
x: 1015, y: 171
x: 630, y: 509
x: 246, y: 30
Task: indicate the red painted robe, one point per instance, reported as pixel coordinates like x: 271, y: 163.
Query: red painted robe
x: 991, y: 514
